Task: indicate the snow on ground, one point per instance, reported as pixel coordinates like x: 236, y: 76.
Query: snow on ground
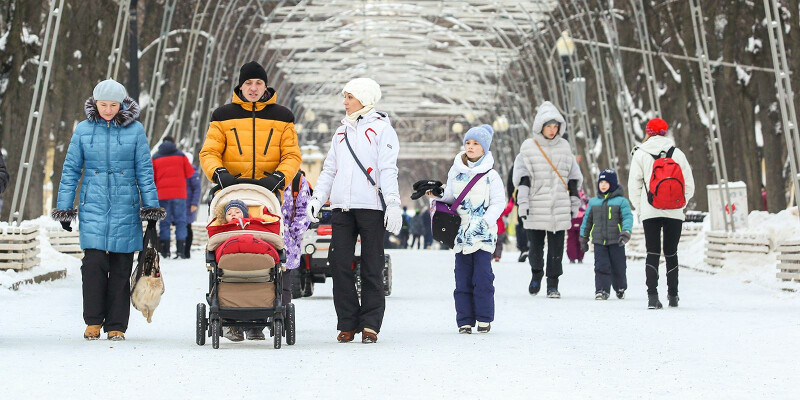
x: 727, y: 340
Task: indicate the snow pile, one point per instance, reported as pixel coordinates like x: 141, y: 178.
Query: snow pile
x: 742, y: 76
x: 753, y: 45
x: 29, y: 38
x: 777, y: 227
x: 760, y: 269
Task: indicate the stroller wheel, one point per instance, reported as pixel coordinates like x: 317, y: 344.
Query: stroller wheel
x: 290, y: 326
x: 216, y: 330
x: 277, y: 330
x: 202, y: 324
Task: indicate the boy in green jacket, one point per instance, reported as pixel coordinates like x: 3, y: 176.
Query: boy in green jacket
x: 608, y: 223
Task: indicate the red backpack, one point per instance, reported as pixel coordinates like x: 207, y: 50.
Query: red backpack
x: 666, y: 183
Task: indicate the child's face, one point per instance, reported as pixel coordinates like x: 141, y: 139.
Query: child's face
x: 473, y: 149
x: 603, y: 186
x: 233, y: 213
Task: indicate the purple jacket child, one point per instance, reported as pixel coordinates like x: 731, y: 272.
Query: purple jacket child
x: 295, y: 219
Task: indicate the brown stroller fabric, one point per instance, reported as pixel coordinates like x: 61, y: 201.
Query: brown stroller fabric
x: 245, y: 280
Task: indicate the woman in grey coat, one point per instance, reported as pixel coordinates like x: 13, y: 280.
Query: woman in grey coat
x: 547, y: 178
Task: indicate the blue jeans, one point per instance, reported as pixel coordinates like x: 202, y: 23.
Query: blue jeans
x: 176, y: 215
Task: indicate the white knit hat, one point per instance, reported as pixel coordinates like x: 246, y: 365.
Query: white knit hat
x: 366, y: 90
x: 109, y: 90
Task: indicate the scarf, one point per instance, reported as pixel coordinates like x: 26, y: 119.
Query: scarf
x: 354, y: 116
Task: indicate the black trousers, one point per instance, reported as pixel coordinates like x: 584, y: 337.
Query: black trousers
x: 555, y: 252
x: 189, y: 237
x: 654, y: 230
x: 522, y: 237
x: 347, y: 226
x: 107, y: 289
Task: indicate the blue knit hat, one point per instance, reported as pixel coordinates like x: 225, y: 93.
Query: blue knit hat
x: 481, y: 134
x: 610, y: 176
x: 109, y: 90
x: 238, y: 204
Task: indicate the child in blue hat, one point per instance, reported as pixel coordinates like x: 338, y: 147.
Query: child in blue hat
x: 477, y: 236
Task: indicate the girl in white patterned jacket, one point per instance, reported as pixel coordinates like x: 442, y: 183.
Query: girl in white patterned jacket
x: 477, y: 236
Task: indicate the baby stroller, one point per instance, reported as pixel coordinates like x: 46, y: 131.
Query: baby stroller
x: 244, y: 289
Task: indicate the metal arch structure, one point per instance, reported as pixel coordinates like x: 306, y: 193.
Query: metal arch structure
x: 438, y: 61
x: 33, y: 127
x: 785, y: 94
x: 709, y: 99
x: 121, y: 26
x: 151, y: 108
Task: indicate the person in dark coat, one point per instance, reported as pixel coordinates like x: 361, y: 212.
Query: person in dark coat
x: 111, y: 151
x: 428, y: 232
x: 417, y: 229
x: 172, y: 169
x: 574, y: 252
x: 521, y: 234
x: 4, y: 177
x: 193, y: 188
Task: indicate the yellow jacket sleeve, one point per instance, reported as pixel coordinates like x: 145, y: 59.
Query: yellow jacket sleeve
x: 213, y: 147
x: 290, y: 153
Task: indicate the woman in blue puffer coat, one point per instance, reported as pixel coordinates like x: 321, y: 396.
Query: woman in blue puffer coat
x: 111, y: 149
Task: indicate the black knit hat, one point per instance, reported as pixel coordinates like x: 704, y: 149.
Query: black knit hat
x: 252, y: 70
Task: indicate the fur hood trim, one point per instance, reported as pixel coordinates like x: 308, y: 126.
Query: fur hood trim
x: 128, y: 112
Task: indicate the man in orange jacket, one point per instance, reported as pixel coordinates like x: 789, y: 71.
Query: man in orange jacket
x: 251, y: 137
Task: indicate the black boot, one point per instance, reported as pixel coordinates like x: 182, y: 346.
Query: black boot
x: 673, y: 300
x: 180, y: 251
x: 163, y: 246
x: 523, y: 255
x: 535, y: 285
x: 653, y: 303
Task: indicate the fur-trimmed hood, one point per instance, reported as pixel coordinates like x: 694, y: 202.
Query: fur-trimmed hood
x: 128, y: 112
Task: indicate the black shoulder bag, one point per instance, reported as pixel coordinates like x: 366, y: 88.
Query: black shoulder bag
x: 364, y: 170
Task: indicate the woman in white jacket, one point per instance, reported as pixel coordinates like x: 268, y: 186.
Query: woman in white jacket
x: 657, y: 221
x: 360, y: 175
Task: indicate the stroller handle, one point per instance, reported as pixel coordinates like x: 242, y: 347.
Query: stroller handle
x: 217, y: 188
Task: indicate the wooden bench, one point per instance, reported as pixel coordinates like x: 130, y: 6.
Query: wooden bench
x: 19, y: 248
x: 789, y: 260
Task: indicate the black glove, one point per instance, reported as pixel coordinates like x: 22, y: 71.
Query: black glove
x: 584, y: 244
x: 419, y: 193
x: 423, y: 186
x: 65, y: 226
x: 624, y: 237
x: 572, y: 187
x: 223, y: 178
x: 426, y: 184
x: 151, y: 224
x: 274, y: 181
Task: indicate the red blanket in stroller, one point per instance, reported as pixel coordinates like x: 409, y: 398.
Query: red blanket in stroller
x: 246, y: 244
x: 270, y: 223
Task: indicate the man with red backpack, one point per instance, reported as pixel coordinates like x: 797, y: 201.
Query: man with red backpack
x: 660, y: 184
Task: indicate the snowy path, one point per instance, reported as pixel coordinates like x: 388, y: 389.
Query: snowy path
x: 727, y: 340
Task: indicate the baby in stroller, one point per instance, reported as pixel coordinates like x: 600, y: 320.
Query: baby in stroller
x: 245, y: 260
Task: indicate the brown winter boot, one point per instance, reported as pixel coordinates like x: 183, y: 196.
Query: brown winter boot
x: 92, y: 332
x: 369, y: 336
x: 116, y: 336
x: 346, y: 336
